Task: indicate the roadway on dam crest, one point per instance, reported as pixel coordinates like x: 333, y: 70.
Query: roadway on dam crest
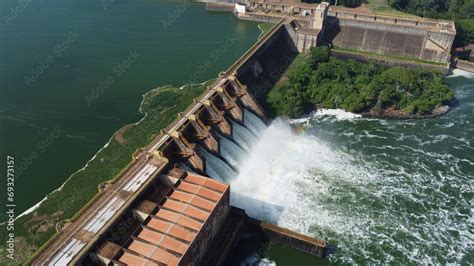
x: 73, y: 230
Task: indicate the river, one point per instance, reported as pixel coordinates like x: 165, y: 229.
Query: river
x: 384, y: 191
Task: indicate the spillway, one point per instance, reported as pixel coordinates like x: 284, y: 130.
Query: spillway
x: 216, y: 167
x: 253, y: 123
x: 230, y: 151
x: 244, y: 137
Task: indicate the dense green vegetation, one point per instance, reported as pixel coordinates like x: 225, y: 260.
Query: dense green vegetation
x: 33, y: 230
x: 322, y: 80
x: 460, y: 10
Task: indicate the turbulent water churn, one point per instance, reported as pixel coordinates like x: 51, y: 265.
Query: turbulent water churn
x: 384, y: 191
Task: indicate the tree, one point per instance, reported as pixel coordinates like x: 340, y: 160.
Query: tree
x: 317, y: 55
x: 460, y: 10
x: 333, y: 83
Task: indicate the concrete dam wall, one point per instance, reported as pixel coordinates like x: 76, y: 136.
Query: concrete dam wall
x: 199, y: 152
x: 390, y: 36
x: 269, y: 62
x: 208, y: 139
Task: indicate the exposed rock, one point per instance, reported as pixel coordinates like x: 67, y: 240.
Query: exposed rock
x: 392, y: 113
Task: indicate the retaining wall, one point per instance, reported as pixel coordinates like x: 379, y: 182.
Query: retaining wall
x: 390, y: 36
x: 260, y: 72
x: 388, y: 62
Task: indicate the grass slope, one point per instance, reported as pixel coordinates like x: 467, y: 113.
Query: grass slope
x: 264, y: 28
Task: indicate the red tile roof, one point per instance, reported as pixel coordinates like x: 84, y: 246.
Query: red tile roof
x: 153, y: 252
x: 131, y: 259
x: 168, y: 233
x: 163, y: 240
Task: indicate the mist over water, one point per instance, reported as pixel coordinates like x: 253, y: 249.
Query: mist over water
x: 384, y: 191
x: 230, y: 150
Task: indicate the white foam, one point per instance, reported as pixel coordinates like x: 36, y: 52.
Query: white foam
x: 339, y: 114
x: 371, y: 205
x: 461, y: 73
x: 283, y: 175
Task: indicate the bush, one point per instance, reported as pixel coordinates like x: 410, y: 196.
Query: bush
x: 357, y: 87
x: 465, y: 29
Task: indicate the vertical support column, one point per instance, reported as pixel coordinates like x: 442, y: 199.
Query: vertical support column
x: 217, y: 119
x: 246, y: 98
x: 204, y: 134
x: 320, y: 16
x: 186, y: 151
x: 231, y: 105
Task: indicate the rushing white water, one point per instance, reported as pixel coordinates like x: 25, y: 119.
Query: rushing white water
x: 461, y: 73
x: 217, y: 168
x: 230, y: 151
x: 384, y: 191
x: 243, y: 136
x: 339, y: 114
x: 253, y: 123
x: 277, y: 181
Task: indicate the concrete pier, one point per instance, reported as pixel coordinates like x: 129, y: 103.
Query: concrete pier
x: 292, y: 239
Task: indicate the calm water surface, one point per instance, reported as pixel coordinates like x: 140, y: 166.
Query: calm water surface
x: 55, y: 54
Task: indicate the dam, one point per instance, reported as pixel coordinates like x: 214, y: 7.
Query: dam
x: 406, y: 41
x: 172, y: 204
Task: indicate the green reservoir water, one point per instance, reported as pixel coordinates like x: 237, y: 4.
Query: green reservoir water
x: 54, y: 54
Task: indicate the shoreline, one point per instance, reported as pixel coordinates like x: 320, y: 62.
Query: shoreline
x: 114, y: 156
x: 38, y: 204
